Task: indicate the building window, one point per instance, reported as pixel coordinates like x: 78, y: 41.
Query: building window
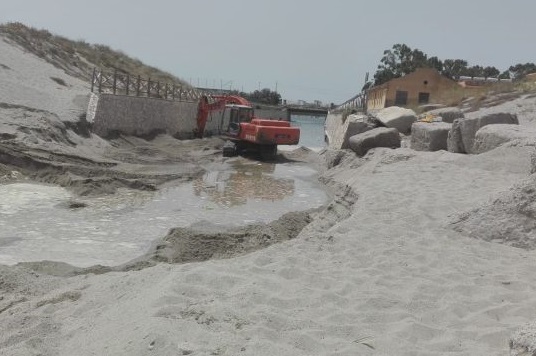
x: 401, y: 98
x: 424, y: 98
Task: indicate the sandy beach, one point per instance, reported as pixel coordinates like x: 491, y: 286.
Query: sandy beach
x: 398, y: 262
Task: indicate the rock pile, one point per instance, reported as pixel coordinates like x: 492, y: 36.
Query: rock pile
x: 429, y: 136
x: 397, y: 118
x: 439, y: 129
x: 462, y: 135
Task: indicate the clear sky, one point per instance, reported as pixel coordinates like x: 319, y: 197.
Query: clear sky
x: 307, y: 49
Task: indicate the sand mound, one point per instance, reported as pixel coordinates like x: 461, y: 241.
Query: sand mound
x: 186, y: 245
x: 510, y: 218
x: 523, y: 341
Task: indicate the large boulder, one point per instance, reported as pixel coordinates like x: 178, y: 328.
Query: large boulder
x: 338, y: 128
x: 429, y: 136
x: 462, y: 134
x: 448, y: 114
x: 454, y: 138
x: 356, y: 124
x: 397, y: 118
x: 493, y: 136
x: 378, y: 137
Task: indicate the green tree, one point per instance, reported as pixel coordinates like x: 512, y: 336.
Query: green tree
x: 434, y: 62
x: 505, y: 75
x: 491, y: 72
x: 264, y: 96
x: 396, y: 62
x: 519, y: 70
x: 474, y: 71
x: 454, y: 68
x: 402, y: 60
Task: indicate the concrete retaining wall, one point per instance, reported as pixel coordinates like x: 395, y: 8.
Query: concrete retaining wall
x: 335, y: 130
x: 92, y: 107
x: 141, y: 116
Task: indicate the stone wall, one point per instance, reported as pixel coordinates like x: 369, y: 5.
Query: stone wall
x: 140, y: 116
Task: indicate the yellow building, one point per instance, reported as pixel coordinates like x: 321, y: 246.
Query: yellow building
x: 424, y: 86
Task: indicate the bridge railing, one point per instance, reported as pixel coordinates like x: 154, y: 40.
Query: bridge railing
x: 117, y: 83
x: 357, y: 102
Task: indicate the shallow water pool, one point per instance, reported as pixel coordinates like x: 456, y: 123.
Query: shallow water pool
x: 40, y: 222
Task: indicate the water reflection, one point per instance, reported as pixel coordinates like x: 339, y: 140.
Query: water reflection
x: 246, y: 181
x: 38, y: 222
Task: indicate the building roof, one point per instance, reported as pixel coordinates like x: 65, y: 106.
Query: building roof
x: 431, y: 71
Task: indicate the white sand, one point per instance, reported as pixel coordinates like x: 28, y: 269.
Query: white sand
x: 394, y: 273
x: 27, y: 81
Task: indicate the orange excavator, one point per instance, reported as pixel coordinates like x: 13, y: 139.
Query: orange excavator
x: 235, y: 120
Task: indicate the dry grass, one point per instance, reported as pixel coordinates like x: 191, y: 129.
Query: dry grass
x: 472, y: 99
x: 78, y: 58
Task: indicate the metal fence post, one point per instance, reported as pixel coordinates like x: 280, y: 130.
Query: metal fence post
x: 100, y: 82
x: 115, y: 81
x: 128, y: 83
x: 93, y: 79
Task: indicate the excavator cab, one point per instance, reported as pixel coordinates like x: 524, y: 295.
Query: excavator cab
x: 240, y: 113
x: 234, y: 115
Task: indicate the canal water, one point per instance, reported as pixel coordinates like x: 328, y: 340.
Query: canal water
x: 311, y: 131
x: 40, y: 222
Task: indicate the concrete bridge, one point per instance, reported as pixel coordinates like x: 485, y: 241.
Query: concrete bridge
x: 306, y: 111
x: 284, y: 112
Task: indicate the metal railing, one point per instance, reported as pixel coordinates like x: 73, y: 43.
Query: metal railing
x: 357, y: 102
x: 117, y: 83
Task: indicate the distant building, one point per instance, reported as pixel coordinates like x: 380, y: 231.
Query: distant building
x: 424, y: 86
x: 478, y: 82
